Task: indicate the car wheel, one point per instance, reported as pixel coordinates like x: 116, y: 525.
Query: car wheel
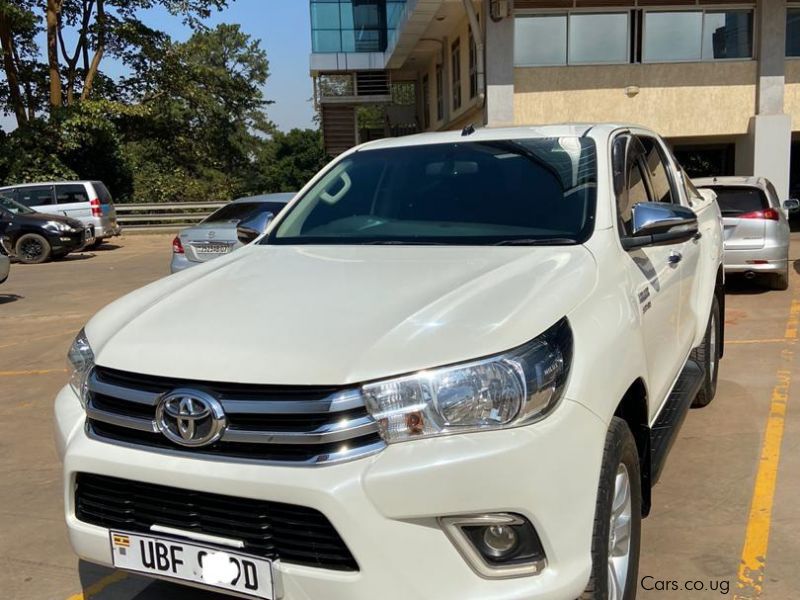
x: 32, y: 249
x: 707, y: 356
x: 95, y: 244
x: 618, y: 519
x: 780, y: 281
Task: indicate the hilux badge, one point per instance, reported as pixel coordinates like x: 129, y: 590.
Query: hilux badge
x: 190, y: 417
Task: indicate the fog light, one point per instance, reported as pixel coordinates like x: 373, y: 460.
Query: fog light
x: 497, y: 545
x: 499, y: 540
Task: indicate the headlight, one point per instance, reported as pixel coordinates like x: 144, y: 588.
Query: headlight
x: 506, y: 390
x: 57, y: 226
x: 81, y: 360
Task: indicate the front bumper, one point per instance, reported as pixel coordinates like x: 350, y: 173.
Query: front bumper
x: 385, y: 506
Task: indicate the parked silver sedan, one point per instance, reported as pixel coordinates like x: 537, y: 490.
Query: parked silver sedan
x: 756, y: 227
x: 216, y: 235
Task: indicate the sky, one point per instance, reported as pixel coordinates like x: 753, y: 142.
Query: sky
x: 283, y: 26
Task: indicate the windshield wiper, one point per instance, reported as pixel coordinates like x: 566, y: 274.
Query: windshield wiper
x: 538, y: 242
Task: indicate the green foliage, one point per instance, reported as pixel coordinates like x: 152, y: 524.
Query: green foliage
x: 188, y: 124
x: 289, y: 160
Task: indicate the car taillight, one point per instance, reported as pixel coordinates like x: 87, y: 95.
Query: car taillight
x: 177, y: 247
x: 96, y: 210
x: 769, y: 214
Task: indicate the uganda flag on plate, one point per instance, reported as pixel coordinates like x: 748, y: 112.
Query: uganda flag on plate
x: 121, y: 540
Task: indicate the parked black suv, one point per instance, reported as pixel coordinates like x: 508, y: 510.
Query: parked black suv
x: 34, y: 237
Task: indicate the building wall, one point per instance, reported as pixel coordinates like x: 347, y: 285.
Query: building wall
x: 469, y: 106
x: 675, y: 99
x: 792, y: 92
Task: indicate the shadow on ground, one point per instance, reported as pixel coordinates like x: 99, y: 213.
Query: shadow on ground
x: 8, y: 298
x: 102, y: 583
x: 738, y: 285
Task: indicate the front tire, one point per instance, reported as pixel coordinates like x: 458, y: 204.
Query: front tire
x: 707, y: 356
x: 32, y: 249
x: 618, y: 519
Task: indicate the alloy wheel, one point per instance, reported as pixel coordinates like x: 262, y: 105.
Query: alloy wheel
x: 619, y: 535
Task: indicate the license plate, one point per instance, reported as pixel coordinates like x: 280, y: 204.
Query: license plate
x: 212, y: 567
x: 212, y: 249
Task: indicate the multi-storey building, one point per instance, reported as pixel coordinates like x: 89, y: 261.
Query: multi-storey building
x: 720, y: 80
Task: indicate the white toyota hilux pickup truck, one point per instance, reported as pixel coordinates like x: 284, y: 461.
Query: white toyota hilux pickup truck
x: 452, y: 368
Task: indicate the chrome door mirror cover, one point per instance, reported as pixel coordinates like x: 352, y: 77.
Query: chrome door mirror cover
x: 250, y: 229
x: 660, y: 223
x: 792, y: 205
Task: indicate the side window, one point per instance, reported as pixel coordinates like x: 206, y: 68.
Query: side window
x: 71, y: 193
x: 636, y: 186
x: 658, y: 171
x: 36, y: 195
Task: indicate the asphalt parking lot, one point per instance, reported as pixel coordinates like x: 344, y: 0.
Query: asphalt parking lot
x: 725, y: 519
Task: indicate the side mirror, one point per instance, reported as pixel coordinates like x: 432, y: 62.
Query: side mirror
x: 660, y: 223
x: 792, y: 205
x: 250, y: 229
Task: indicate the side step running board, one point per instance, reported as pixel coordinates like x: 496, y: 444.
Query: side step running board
x: 668, y: 423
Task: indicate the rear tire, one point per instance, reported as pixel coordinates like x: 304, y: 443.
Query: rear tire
x: 707, y: 356
x: 780, y: 281
x: 32, y: 249
x: 617, y: 520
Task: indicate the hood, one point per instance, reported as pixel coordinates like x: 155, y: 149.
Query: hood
x: 322, y: 315
x: 40, y: 219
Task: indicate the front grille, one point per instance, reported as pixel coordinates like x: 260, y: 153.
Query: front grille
x: 274, y: 530
x: 282, y: 424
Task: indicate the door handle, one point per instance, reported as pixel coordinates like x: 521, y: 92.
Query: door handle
x: 674, y: 258
x: 697, y: 236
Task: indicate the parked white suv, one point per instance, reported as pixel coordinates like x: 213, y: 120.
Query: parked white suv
x: 87, y: 201
x: 452, y: 368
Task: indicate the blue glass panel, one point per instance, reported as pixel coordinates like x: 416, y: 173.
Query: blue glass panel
x: 325, y: 16
x: 326, y: 41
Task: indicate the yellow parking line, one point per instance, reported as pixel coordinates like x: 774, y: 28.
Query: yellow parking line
x: 32, y: 372
x: 750, y: 578
x: 99, y: 586
x: 772, y: 341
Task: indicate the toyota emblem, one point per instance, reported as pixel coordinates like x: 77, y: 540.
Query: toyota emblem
x: 190, y: 417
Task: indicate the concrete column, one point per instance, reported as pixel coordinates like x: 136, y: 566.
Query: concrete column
x: 770, y: 130
x: 499, y: 70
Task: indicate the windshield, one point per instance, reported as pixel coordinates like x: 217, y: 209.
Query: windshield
x: 530, y: 191
x: 240, y: 211
x: 14, y: 207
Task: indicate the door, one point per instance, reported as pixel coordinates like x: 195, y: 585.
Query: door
x: 37, y: 197
x: 73, y: 201
x: 667, y: 188
x: 653, y: 279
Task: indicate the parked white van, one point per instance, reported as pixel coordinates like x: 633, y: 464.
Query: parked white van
x: 87, y: 201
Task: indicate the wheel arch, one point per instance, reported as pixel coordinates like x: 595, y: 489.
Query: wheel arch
x: 633, y: 409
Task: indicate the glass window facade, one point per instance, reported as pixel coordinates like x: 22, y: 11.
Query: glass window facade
x: 698, y: 35
x: 599, y: 38
x: 354, y: 25
x: 540, y: 40
x: 793, y: 32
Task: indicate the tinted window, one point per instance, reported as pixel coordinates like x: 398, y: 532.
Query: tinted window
x: 728, y: 34
x: 464, y: 193
x: 71, y: 193
x: 655, y: 164
x: 35, y: 195
x: 735, y: 201
x: 102, y: 192
x: 793, y: 32
x: 673, y: 36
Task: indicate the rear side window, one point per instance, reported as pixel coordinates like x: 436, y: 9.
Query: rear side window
x: 71, y: 193
x: 102, y: 192
x: 34, y: 196
x: 735, y: 201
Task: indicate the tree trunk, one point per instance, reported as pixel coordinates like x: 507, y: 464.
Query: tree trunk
x: 10, y: 68
x: 26, y: 85
x: 98, y: 53
x: 53, y: 9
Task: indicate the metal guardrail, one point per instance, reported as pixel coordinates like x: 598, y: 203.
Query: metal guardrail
x: 147, y: 217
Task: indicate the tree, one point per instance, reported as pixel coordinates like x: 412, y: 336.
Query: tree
x: 18, y: 27
x: 288, y: 160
